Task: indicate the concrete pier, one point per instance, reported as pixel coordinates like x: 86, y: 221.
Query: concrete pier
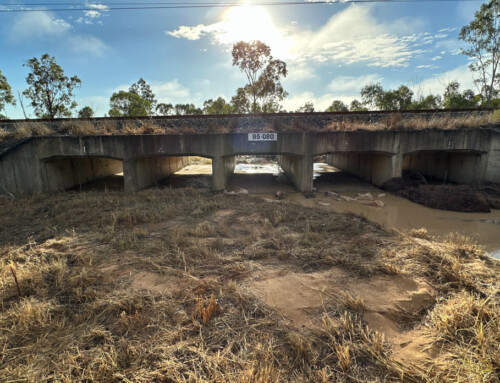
x: 48, y: 164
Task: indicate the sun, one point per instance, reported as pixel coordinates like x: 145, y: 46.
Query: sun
x: 248, y: 23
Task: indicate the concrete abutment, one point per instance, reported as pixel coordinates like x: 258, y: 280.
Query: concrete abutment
x: 299, y: 169
x: 143, y: 172
x: 222, y: 168
x: 372, y: 167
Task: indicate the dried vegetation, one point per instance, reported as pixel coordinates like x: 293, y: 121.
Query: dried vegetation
x: 69, y: 310
x: 396, y: 121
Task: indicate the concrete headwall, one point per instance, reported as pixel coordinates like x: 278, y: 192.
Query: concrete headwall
x: 376, y: 156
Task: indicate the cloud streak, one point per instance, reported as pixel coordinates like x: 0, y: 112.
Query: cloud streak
x: 43, y: 26
x: 351, y: 36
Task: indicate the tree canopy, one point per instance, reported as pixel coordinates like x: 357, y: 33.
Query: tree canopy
x: 50, y: 90
x: 6, y: 96
x: 218, y: 106
x: 374, y: 96
x: 86, y: 112
x: 263, y: 90
x: 142, y: 89
x: 128, y: 104
x: 337, y: 106
x: 454, y: 99
x: 308, y: 107
x: 482, y: 37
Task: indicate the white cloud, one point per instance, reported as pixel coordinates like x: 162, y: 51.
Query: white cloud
x: 99, y: 104
x: 350, y: 36
x: 101, y: 7
x: 350, y: 86
x: 87, y: 44
x: 301, y: 71
x: 435, y: 58
x: 36, y: 25
x: 190, y: 33
x: 92, y: 14
x: 428, y: 66
x: 437, y: 83
x: 447, y: 30
x: 95, y: 12
x: 171, y: 92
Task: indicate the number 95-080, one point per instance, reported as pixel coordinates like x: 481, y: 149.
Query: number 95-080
x: 262, y: 136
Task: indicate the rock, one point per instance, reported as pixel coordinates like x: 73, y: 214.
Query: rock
x: 231, y: 193
x: 381, y: 195
x: 309, y: 195
x: 324, y: 204
x: 346, y: 198
x: 365, y: 197
x: 280, y: 194
x: 333, y: 194
x: 243, y: 191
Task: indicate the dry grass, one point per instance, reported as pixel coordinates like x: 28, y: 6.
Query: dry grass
x: 73, y: 316
x: 394, y: 121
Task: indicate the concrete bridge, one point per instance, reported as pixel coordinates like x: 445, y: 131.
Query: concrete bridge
x: 54, y: 163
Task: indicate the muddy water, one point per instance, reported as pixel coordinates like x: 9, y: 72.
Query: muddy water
x: 266, y: 179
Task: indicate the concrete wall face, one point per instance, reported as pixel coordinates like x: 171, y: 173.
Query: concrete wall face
x: 62, y: 174
x: 372, y: 167
x: 450, y: 166
x: 376, y: 156
x: 492, y: 172
x: 143, y: 172
x: 222, y: 169
x: 299, y: 169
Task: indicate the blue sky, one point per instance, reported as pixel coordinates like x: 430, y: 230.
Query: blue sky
x: 331, y: 50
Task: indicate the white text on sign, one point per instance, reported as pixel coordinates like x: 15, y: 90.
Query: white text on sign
x: 262, y: 136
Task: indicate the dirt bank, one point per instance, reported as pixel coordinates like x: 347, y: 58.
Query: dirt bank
x: 184, y: 286
x: 478, y: 198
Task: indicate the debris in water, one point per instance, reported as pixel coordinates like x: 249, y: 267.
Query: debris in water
x: 346, y: 198
x: 365, y: 197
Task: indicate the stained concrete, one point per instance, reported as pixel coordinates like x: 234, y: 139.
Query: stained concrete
x: 62, y: 174
x: 147, y: 171
x: 375, y: 156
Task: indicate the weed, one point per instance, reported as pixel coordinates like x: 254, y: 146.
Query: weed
x: 203, y: 313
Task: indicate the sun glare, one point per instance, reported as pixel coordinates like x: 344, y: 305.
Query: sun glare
x: 247, y: 23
